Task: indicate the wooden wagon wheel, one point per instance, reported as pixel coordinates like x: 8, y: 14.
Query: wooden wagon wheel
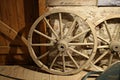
x: 108, y: 35
x: 69, y: 42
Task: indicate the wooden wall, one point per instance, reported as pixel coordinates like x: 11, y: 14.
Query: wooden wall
x: 16, y: 17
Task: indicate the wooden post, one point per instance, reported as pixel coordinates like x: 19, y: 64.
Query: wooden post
x: 42, y: 6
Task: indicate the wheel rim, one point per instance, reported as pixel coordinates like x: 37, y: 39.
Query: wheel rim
x: 64, y: 35
x: 108, y: 50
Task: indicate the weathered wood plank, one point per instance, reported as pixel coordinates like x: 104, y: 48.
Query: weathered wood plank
x: 18, y: 72
x: 71, y: 2
x: 20, y: 14
x: 8, y: 31
x: 4, y: 13
x: 27, y: 74
x: 42, y: 6
x: 12, y: 9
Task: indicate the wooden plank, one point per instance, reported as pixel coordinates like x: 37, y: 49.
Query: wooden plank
x: 8, y: 31
x: 4, y: 11
x: 5, y: 73
x: 42, y: 10
x: 12, y: 9
x: 6, y: 50
x: 27, y: 74
x: 42, y: 6
x: 18, y: 70
x: 20, y: 14
x: 4, y: 17
x: 71, y: 2
x: 0, y: 13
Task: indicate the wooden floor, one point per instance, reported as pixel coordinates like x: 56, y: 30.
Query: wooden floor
x: 22, y: 73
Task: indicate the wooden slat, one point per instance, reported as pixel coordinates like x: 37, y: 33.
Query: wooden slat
x: 8, y: 31
x: 4, y: 13
x: 7, y: 49
x: 20, y: 14
x: 13, y: 14
x: 42, y: 6
x: 71, y: 2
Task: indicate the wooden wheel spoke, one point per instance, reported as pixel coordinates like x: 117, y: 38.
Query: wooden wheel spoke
x: 54, y: 60
x: 80, y: 44
x: 78, y: 35
x: 42, y: 44
x: 38, y: 32
x: 118, y: 53
x: 63, y: 59
x: 61, y: 27
x: 103, y: 46
x: 71, y: 27
x: 117, y: 36
x: 108, y: 31
x: 45, y: 54
x: 48, y: 52
x: 103, y: 39
x: 76, y: 64
x: 110, y: 60
x: 79, y: 53
x: 100, y: 57
x: 96, y: 67
x: 51, y: 28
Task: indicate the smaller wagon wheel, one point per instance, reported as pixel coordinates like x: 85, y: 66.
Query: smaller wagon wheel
x: 66, y: 44
x: 108, y: 35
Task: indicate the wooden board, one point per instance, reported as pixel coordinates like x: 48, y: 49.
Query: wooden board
x: 71, y: 2
x: 24, y: 73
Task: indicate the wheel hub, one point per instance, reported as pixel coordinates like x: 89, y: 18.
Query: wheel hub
x: 115, y: 46
x: 62, y: 45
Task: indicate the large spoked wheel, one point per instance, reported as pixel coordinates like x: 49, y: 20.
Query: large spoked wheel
x: 108, y: 35
x: 65, y: 45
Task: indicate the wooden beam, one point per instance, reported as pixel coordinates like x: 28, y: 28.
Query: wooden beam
x: 71, y: 2
x: 6, y: 30
x: 10, y: 33
x: 42, y: 6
